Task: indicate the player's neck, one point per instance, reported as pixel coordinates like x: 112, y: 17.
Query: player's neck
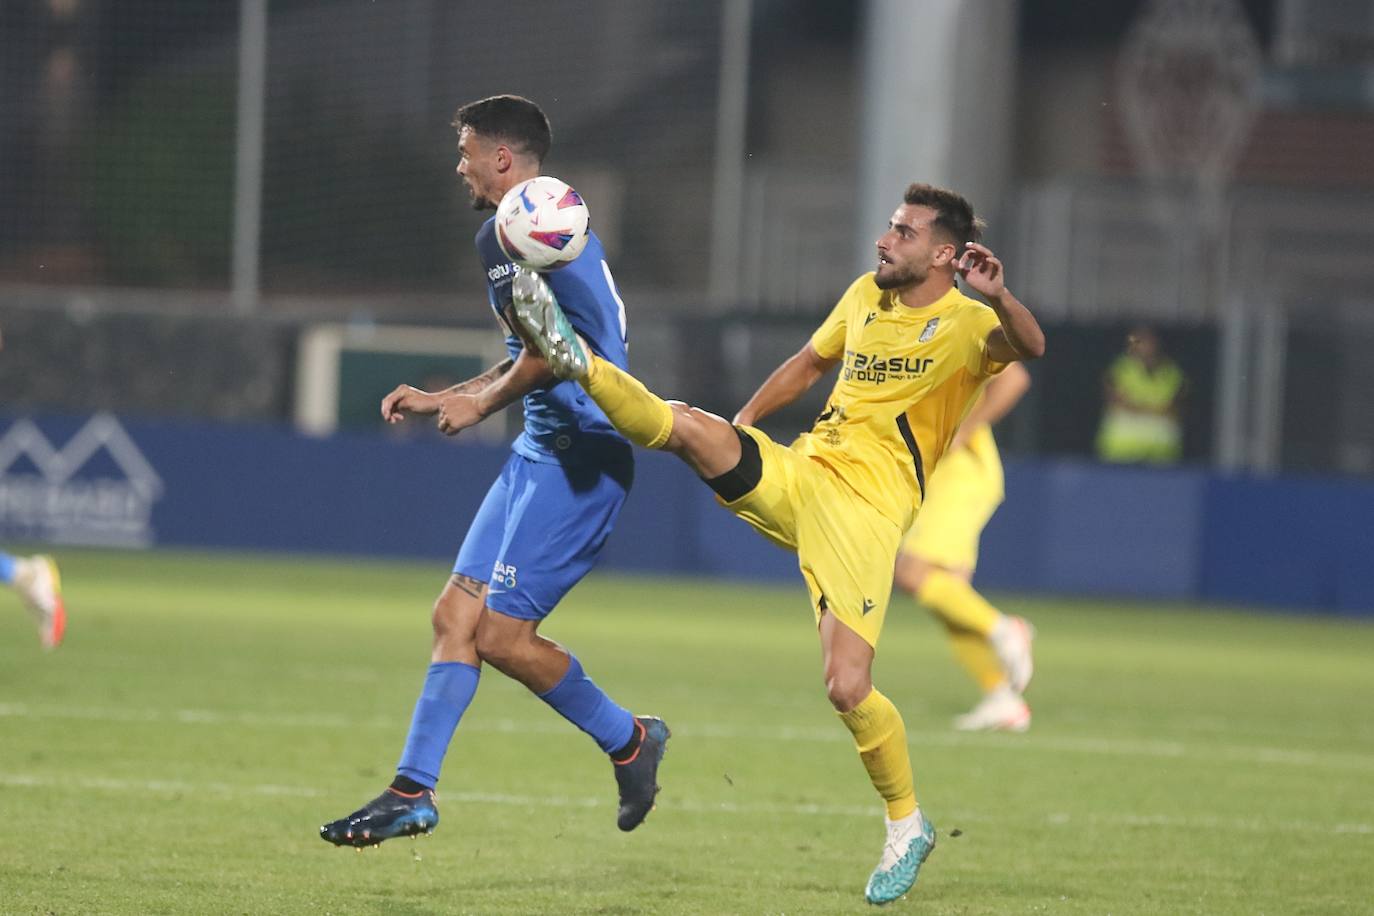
x: 929, y: 291
x: 513, y: 178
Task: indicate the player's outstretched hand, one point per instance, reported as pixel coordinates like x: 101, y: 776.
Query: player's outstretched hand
x: 407, y: 399
x: 457, y: 412
x: 981, y: 270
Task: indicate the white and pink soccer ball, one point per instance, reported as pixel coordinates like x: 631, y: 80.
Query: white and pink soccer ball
x: 541, y: 224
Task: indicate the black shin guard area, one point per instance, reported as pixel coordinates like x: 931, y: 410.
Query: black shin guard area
x: 744, y: 476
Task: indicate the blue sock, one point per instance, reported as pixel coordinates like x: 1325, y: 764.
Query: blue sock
x: 6, y: 568
x: 581, y: 702
x: 449, y: 688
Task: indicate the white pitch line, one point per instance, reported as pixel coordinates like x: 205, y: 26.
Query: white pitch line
x: 694, y: 806
x: 101, y: 784
x: 1211, y: 753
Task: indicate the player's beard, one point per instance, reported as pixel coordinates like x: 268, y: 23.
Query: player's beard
x: 898, y: 277
x: 479, y: 201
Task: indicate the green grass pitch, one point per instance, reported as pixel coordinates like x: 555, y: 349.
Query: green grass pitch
x: 209, y: 712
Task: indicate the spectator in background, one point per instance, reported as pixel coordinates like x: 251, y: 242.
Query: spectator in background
x: 1143, y: 390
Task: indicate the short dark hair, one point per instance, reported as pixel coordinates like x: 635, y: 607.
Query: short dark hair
x: 953, y: 214
x: 512, y: 119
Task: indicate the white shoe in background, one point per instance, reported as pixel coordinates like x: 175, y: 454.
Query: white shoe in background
x: 1003, y: 710
x: 40, y: 586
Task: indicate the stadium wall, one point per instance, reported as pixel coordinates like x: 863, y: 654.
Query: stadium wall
x: 1067, y: 528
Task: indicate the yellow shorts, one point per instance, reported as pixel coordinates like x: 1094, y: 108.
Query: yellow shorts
x: 961, y: 496
x: 845, y: 548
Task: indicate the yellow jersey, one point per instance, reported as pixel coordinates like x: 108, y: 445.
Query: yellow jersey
x: 907, y: 379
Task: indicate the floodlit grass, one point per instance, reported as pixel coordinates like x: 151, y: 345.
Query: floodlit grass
x: 209, y: 712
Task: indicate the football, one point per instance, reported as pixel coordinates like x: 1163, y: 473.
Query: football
x: 541, y: 223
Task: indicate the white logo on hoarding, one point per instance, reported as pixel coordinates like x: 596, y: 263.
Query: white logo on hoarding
x: 53, y: 501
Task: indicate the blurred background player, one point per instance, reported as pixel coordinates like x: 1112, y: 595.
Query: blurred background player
x: 35, y: 579
x: 912, y: 351
x: 515, y: 565
x: 1143, y: 393
x: 939, y: 553
x: 37, y: 582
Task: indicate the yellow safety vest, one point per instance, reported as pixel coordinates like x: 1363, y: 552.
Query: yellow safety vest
x: 1136, y: 430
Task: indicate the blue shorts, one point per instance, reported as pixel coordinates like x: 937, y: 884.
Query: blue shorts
x: 540, y: 530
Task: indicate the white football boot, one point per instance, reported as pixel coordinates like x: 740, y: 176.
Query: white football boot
x: 909, y: 842
x: 40, y: 587
x: 538, y: 311
x: 1011, y: 641
x: 1002, y: 710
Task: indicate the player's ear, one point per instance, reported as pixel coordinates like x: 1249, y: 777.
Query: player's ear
x: 504, y: 158
x: 946, y: 253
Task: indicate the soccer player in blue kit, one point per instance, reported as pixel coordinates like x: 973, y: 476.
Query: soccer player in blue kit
x: 543, y: 522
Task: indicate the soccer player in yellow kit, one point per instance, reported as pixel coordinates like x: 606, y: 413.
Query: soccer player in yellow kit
x: 913, y: 354
x: 938, y: 555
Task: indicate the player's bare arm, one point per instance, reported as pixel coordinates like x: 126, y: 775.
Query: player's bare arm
x: 409, y: 399
x: 788, y: 382
x: 1019, y: 337
x: 463, y: 409
x: 459, y: 410
x: 1001, y: 395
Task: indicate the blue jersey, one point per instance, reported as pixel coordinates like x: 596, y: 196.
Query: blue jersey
x: 563, y: 424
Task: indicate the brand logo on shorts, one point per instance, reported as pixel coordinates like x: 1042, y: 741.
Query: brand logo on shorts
x: 504, y: 573
x: 868, y: 606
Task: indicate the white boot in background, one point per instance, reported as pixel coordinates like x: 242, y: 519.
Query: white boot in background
x: 40, y: 586
x: 1001, y: 710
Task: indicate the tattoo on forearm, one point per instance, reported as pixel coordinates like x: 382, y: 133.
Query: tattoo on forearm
x: 482, y: 381
x: 473, y: 587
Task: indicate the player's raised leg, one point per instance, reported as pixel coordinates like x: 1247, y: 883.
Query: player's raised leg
x: 708, y: 443
x: 39, y: 586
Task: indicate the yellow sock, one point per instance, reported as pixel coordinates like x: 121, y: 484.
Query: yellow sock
x: 640, y: 415
x: 975, y: 654
x: 956, y: 603
x: 880, y: 737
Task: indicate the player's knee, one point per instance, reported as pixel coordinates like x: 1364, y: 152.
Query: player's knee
x: 707, y: 442
x: 686, y: 426
x: 447, y: 622
x: 846, y: 688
